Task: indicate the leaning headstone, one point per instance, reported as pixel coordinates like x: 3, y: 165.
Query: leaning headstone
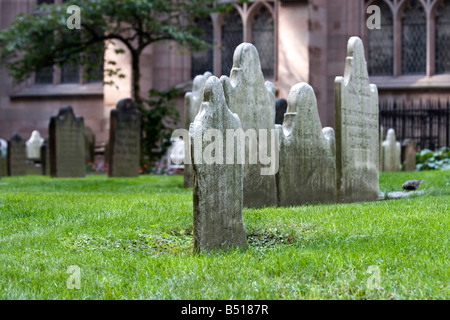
x: 89, y: 144
x: 125, y: 140
x: 281, y: 106
x: 45, y: 158
x: 409, y: 150
x: 218, y: 193
x: 34, y: 146
x: 66, y: 137
x: 17, y: 156
x: 192, y: 102
x: 391, y: 152
x: 307, y: 172
x: 253, y: 101
x: 357, y: 129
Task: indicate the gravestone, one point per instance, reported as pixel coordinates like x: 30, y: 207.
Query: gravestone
x: 34, y: 146
x: 45, y: 158
x: 89, y: 144
x: 307, y: 172
x: 192, y: 102
x: 409, y: 150
x: 66, y: 140
x: 357, y: 129
x: 17, y: 155
x: 391, y: 152
x: 3, y: 159
x: 125, y: 140
x: 281, y: 106
x: 381, y: 148
x: 253, y: 101
x: 218, y: 186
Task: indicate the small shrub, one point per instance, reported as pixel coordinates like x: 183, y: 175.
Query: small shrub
x: 429, y: 160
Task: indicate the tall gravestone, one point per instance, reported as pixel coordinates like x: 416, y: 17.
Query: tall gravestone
x: 125, y: 140
x: 307, y: 172
x: 357, y: 129
x: 391, y: 152
x: 192, y: 102
x: 17, y: 155
x: 66, y: 139
x: 253, y: 101
x: 409, y: 150
x: 281, y: 106
x: 218, y: 186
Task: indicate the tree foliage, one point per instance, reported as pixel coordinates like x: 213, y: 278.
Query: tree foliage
x: 42, y: 39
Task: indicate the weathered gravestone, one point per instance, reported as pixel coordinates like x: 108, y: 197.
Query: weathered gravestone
x: 66, y: 139
x: 391, y: 152
x: 218, y: 186
x: 192, y: 102
x: 45, y: 158
x: 34, y: 146
x: 254, y: 102
x: 357, y: 129
x: 125, y: 140
x: 281, y: 106
x: 89, y: 137
x: 17, y: 155
x: 409, y: 150
x: 307, y: 172
x: 381, y: 147
x: 3, y: 159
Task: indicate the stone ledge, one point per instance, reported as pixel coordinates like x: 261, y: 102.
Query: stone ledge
x: 61, y: 90
x: 441, y: 81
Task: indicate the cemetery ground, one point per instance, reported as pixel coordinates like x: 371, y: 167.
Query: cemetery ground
x: 132, y: 239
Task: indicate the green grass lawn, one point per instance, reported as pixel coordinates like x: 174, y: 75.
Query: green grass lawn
x: 132, y: 239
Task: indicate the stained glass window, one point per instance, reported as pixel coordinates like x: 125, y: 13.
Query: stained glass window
x: 381, y: 44
x: 202, y: 60
x: 263, y: 40
x: 414, y: 40
x: 232, y: 36
x: 443, y: 38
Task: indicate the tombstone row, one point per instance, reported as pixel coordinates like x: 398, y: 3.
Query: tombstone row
x: 70, y: 146
x: 315, y: 164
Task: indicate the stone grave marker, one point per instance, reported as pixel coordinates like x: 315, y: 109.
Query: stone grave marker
x: 192, y: 102
x: 3, y: 159
x: 307, y: 172
x: 409, y: 150
x: 124, y: 140
x: 17, y: 155
x: 218, y: 184
x: 357, y: 129
x: 34, y: 146
x: 66, y: 140
x: 391, y: 152
x: 253, y: 101
x: 281, y: 106
x: 45, y: 158
x: 89, y: 137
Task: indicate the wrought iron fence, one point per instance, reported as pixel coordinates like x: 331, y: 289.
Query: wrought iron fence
x: 426, y: 122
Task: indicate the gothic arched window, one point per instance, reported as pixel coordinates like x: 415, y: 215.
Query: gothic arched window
x: 414, y: 40
x: 202, y: 60
x: 263, y: 40
x: 232, y: 36
x: 381, y: 44
x: 443, y: 38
